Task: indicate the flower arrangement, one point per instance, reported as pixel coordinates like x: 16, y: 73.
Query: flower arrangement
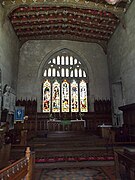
x: 50, y: 116
x: 64, y: 116
x: 81, y: 115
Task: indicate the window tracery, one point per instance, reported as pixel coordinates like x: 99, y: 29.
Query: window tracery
x: 68, y: 93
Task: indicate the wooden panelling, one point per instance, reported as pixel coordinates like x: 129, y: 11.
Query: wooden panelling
x: 125, y: 166
x: 102, y: 106
x: 30, y: 106
x: 129, y: 119
x: 39, y: 122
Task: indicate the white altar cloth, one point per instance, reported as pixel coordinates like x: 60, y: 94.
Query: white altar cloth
x: 74, y: 120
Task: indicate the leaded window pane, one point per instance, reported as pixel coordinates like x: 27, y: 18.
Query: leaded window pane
x: 46, y: 96
x: 71, y: 60
x: 67, y: 73
x: 80, y: 73
x: 75, y: 61
x: 62, y: 60
x: 84, y: 74
x: 45, y: 73
x: 58, y: 60
x: 65, y: 96
x: 74, y: 96
x: 61, y: 67
x: 67, y: 60
x: 83, y: 97
x: 49, y: 72
x: 54, y: 72
x: 62, y: 72
x: 71, y: 74
x: 76, y: 73
x: 56, y: 97
x: 54, y: 60
x: 58, y: 73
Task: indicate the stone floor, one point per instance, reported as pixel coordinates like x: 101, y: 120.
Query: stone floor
x: 70, y: 144
x: 76, y: 171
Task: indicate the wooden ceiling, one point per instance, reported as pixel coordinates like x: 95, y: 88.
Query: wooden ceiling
x: 89, y: 21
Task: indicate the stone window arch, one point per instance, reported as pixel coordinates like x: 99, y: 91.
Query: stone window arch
x: 65, y: 84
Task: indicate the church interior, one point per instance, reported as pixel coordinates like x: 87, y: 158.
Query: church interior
x: 67, y: 102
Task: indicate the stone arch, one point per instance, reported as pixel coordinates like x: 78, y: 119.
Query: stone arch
x: 76, y: 54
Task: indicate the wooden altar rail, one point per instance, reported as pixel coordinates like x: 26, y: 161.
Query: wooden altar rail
x: 23, y: 168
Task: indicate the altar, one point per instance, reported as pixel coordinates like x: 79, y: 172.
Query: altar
x: 66, y: 125
x: 104, y: 130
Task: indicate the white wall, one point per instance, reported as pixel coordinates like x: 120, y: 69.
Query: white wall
x: 34, y: 54
x: 121, y: 56
x: 9, y: 52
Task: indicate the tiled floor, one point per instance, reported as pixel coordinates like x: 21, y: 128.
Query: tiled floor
x: 69, y: 144
x: 82, y: 173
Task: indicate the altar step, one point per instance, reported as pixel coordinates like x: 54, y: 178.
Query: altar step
x: 48, y: 155
x: 74, y: 159
x: 66, y: 147
x: 67, y: 137
x: 43, y: 156
x: 68, y: 140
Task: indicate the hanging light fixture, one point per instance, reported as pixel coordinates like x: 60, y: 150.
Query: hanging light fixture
x: 112, y: 1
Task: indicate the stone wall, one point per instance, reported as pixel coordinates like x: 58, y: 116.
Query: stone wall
x: 34, y: 54
x: 9, y: 51
x: 121, y: 57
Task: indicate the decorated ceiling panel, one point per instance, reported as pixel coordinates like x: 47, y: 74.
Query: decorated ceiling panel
x: 90, y: 21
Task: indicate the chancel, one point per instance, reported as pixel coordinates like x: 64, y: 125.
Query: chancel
x: 67, y: 100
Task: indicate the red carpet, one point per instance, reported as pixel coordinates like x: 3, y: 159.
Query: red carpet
x: 73, y: 159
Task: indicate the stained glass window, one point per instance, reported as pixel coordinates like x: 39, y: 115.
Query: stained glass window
x: 46, y: 96
x: 74, y: 96
x: 56, y: 97
x: 65, y: 96
x: 83, y: 96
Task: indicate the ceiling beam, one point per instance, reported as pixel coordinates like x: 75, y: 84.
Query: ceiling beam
x: 64, y: 12
x: 10, y: 5
x: 21, y: 21
x: 42, y: 26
